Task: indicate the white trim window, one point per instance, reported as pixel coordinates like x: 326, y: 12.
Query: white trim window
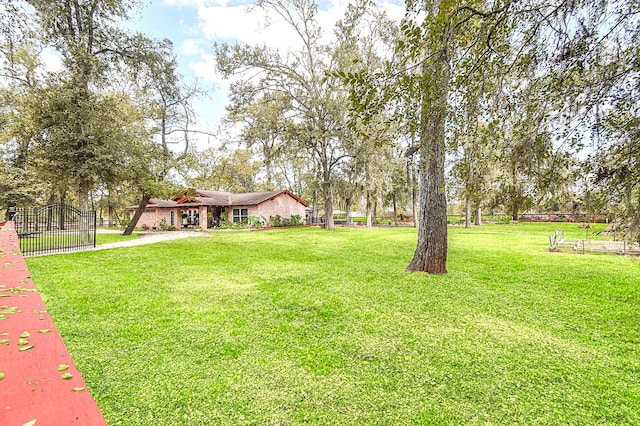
x: 240, y: 215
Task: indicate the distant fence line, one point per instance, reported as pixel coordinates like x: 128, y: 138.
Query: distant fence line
x: 564, y: 217
x: 54, y: 228
x: 549, y: 217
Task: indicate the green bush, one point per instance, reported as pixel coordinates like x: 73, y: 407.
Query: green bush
x: 505, y: 219
x: 256, y: 221
x: 455, y: 220
x: 275, y: 221
x: 296, y: 220
x: 279, y: 221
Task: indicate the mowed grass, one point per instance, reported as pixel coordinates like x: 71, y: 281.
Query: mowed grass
x: 113, y: 238
x: 303, y: 326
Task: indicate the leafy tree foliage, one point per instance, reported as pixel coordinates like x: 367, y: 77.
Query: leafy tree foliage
x: 74, y: 125
x: 267, y: 129
x: 219, y: 170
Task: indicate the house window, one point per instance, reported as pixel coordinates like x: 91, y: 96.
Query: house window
x: 240, y: 215
x: 173, y: 220
x: 193, y: 217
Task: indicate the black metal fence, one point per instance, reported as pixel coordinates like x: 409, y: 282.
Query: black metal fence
x: 54, y: 228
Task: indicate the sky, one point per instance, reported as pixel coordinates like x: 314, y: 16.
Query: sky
x: 194, y: 25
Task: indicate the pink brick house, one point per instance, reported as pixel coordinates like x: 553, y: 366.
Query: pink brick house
x: 191, y: 208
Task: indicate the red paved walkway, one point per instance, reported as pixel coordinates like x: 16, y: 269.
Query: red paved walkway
x: 33, y: 390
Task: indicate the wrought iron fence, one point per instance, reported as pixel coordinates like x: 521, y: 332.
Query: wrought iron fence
x: 54, y: 228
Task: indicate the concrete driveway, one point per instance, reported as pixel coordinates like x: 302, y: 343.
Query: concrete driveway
x: 148, y: 238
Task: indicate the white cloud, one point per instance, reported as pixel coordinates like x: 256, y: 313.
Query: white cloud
x: 191, y: 47
x: 51, y: 60
x: 231, y: 21
x: 256, y: 26
x: 205, y: 68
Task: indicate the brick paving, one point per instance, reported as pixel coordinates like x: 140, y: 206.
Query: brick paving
x: 39, y: 384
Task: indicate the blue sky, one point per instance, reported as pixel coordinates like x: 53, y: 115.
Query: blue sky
x: 179, y: 23
x: 194, y: 25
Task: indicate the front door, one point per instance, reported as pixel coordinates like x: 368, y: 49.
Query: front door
x: 214, y: 218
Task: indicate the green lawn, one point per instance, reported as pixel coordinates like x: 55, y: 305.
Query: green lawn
x: 113, y: 238
x: 302, y: 326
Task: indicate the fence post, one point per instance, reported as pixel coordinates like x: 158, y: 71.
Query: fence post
x: 95, y: 218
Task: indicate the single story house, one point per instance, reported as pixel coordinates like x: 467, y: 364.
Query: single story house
x: 192, y: 208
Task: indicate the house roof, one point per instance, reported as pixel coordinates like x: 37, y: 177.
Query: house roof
x: 220, y: 199
x: 156, y: 202
x: 214, y: 198
x: 255, y: 198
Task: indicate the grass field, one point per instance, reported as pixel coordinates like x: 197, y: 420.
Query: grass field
x: 112, y: 238
x: 302, y: 326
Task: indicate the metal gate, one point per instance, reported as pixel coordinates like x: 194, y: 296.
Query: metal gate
x: 55, y: 228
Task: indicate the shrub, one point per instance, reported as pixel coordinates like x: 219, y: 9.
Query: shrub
x: 279, y: 221
x: 257, y: 221
x: 296, y: 220
x: 455, y: 220
x: 505, y: 219
x: 275, y: 220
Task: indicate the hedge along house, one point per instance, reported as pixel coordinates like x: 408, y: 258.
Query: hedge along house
x: 191, y: 208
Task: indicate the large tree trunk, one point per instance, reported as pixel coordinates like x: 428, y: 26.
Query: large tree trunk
x: 269, y: 174
x: 395, y: 209
x: 328, y: 206
x: 478, y: 216
x: 431, y: 251
x: 467, y: 212
x: 136, y: 216
x: 368, y: 209
x: 110, y: 223
x: 374, y: 219
x: 515, y: 212
x: 83, y: 194
x: 414, y: 197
